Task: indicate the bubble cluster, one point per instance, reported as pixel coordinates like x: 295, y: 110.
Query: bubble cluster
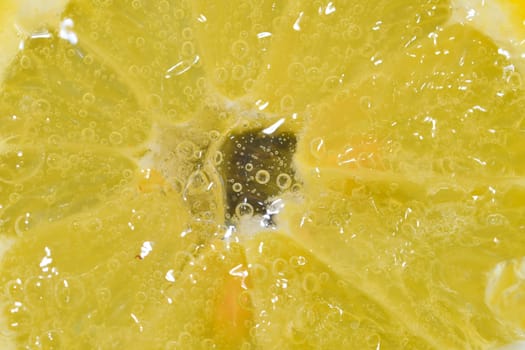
x: 258, y: 166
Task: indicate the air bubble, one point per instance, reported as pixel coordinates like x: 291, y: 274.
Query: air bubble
x: 14, y: 289
x: 88, y: 134
x: 214, y: 135
x: 115, y: 138
x: 331, y: 83
x: 353, y: 32
x: 244, y: 210
x: 182, y: 258
x: 374, y: 341
x: 93, y: 225
x: 185, y: 340
x: 244, y: 300
x: 172, y: 345
x: 365, y: 103
x: 248, y: 167
x: 136, y: 4
x: 248, y: 84
x: 141, y: 297
x: 298, y: 260
x: 218, y: 158
x: 50, y: 340
x: 69, y: 292
x: 296, y: 71
x: 313, y: 75
x: 238, y: 72
x: 239, y: 49
x: 88, y: 98
x: 310, y: 283
x: 514, y: 80
x: 221, y: 75
x: 367, y: 51
x: 140, y: 41
x: 22, y: 224
x: 54, y: 139
x: 35, y: 290
x: 103, y: 296
x: 197, y: 182
x: 186, y: 149
x: 279, y: 266
x: 188, y: 49
x: 317, y: 147
x: 14, y: 197
x: 237, y: 187
x: 207, y: 344
x: 88, y: 60
x: 287, y: 103
x: 296, y: 188
x: 40, y: 106
x: 187, y: 33
x: 154, y: 102
x: 262, y: 177
x: 19, y: 318
x: 25, y: 62
x: 496, y: 220
x: 258, y: 272
x: 283, y: 181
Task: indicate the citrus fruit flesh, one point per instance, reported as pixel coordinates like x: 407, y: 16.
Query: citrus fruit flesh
x: 262, y: 175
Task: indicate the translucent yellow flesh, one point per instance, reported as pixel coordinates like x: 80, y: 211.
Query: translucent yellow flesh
x: 404, y: 230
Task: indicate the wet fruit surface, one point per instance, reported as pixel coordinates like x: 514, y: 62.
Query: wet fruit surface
x: 260, y: 175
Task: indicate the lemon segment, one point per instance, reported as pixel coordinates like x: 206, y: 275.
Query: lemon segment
x: 320, y: 48
x: 503, y: 21
x: 233, y: 40
x: 74, y: 269
x: 148, y: 46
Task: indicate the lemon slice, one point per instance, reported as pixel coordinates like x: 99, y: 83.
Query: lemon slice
x: 185, y: 175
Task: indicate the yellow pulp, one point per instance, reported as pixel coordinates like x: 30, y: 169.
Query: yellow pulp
x: 263, y: 175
